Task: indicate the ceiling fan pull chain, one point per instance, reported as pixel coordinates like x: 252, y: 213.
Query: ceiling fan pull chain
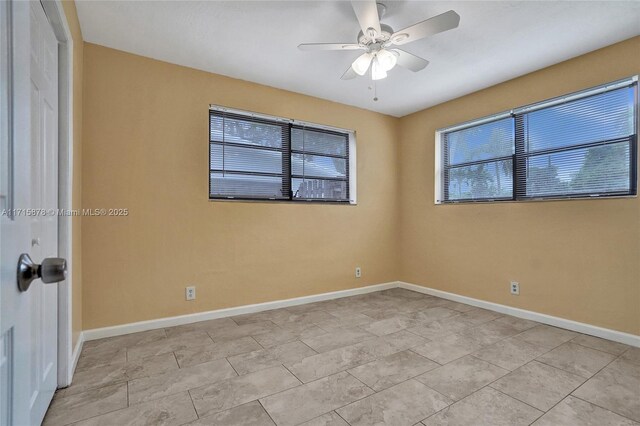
x: 375, y: 90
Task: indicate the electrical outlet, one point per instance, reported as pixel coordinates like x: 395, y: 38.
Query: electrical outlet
x: 190, y: 293
x: 358, y: 272
x: 515, y: 288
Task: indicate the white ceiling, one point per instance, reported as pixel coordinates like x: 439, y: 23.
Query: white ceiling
x: 257, y: 41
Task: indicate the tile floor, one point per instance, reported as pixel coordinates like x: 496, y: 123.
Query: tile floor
x: 393, y: 357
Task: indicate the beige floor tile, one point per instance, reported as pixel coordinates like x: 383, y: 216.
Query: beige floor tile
x: 308, y: 401
x: 265, y: 358
x: 490, y: 332
x: 169, y: 344
x: 486, y: 407
x: 221, y: 396
x: 125, y: 341
x: 121, y: 372
x: 401, y: 405
x: 519, y: 323
x: 346, y: 321
x: 307, y: 307
x: 172, y: 410
x: 381, y: 313
x: 298, y: 327
x: 390, y: 325
x: 337, y: 339
x: 510, y: 353
x: 214, y: 324
x: 407, y: 306
x: 402, y: 340
x: 354, y: 318
x: 547, y: 336
x: 603, y: 345
x: 154, y: 387
x: 448, y: 348
x: 577, y: 359
x: 331, y: 362
x: 434, y: 302
x: 250, y: 414
x: 211, y: 352
x: 270, y: 315
x: 392, y: 369
x: 80, y: 406
x: 301, y: 317
x: 616, y: 388
x: 100, y: 357
x: 233, y: 333
x: 632, y: 355
x: 431, y: 331
x: 461, y: 377
x: 539, y: 385
x: 432, y: 314
x: 574, y: 411
x: 460, y: 307
x: 479, y: 316
x: 289, y: 333
x: 329, y: 419
x: 440, y: 328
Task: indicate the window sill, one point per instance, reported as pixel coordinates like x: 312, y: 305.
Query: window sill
x: 252, y: 201
x: 536, y: 200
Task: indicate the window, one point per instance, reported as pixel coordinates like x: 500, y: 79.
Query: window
x: 254, y: 157
x: 582, y: 145
x: 319, y: 164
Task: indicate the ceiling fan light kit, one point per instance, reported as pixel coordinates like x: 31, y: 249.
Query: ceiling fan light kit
x: 387, y: 59
x: 377, y: 40
x: 377, y: 71
x: 361, y: 64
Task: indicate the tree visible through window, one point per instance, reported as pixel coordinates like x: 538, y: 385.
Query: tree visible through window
x: 584, y: 146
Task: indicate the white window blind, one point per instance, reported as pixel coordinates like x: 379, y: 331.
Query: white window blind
x: 581, y: 145
x: 256, y: 157
x: 319, y: 164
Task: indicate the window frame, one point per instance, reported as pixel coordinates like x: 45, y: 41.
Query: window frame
x: 288, y: 152
x: 520, y: 155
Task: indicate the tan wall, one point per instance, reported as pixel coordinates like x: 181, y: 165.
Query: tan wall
x: 574, y: 259
x: 76, y: 198
x: 145, y: 148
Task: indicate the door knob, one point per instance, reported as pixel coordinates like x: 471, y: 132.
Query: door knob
x: 52, y: 270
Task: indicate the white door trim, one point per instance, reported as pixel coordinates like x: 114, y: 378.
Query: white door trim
x: 57, y: 18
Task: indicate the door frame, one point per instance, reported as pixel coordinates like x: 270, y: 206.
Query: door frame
x: 67, y: 355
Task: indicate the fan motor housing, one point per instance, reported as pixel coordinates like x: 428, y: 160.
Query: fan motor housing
x: 387, y: 31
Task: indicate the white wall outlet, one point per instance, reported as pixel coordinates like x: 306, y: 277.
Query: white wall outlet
x: 190, y: 293
x: 515, y: 288
x: 358, y: 272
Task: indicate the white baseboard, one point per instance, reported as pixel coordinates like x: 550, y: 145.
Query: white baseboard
x: 592, y: 330
x: 76, y: 351
x: 99, y: 333
x: 73, y: 361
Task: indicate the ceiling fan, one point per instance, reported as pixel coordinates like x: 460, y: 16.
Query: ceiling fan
x: 377, y: 41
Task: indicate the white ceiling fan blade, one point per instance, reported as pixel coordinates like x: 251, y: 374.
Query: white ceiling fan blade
x: 410, y: 61
x: 349, y: 74
x: 443, y: 22
x: 329, y: 46
x: 367, y: 14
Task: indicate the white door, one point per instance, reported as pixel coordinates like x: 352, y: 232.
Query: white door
x: 29, y: 194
